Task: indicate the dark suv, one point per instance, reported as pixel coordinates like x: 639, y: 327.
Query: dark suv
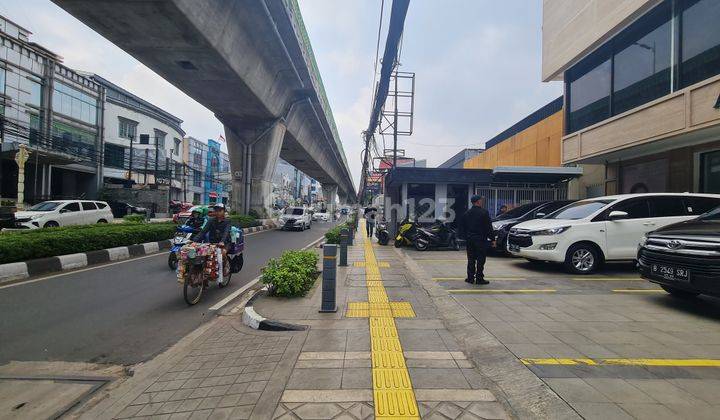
x: 503, y: 222
x: 684, y: 258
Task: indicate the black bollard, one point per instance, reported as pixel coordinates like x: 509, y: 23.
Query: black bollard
x: 329, y: 278
x: 344, y: 235
x: 351, y: 235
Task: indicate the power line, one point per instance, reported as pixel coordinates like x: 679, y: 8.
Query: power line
x: 377, y: 45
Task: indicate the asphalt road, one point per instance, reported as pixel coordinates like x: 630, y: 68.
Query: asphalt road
x: 121, y: 313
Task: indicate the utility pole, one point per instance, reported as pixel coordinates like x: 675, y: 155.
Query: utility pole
x: 184, y: 182
x: 395, y: 121
x: 131, y: 158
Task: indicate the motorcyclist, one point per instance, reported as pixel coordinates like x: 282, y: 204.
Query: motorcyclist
x: 197, y: 219
x: 217, y: 230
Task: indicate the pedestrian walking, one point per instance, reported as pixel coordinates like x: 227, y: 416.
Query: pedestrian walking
x: 476, y: 229
x: 370, y: 215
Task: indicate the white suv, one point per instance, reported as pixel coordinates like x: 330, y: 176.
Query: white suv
x: 63, y: 213
x: 586, y: 233
x: 295, y: 218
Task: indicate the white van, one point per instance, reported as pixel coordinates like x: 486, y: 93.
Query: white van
x: 63, y: 213
x: 586, y: 233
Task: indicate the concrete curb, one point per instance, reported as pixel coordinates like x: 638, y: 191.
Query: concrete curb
x: 256, y: 321
x: 14, y: 272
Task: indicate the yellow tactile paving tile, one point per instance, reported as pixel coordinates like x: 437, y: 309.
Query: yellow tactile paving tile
x: 395, y: 404
x: 357, y: 313
x: 392, y: 388
x: 380, y: 264
x: 402, y: 310
x: 391, y: 379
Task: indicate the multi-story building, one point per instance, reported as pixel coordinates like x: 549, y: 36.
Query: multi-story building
x: 142, y: 142
x: 207, y: 172
x: 56, y: 112
x: 642, y: 89
x: 459, y: 158
x: 194, y: 156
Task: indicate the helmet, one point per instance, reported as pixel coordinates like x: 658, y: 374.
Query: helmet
x: 199, y: 209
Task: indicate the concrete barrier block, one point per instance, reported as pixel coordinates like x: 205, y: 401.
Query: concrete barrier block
x: 119, y: 253
x: 13, y: 271
x: 71, y: 261
x: 151, y: 247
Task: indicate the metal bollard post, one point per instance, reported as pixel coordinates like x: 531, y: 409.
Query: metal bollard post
x: 351, y: 235
x: 329, y: 279
x: 344, y: 234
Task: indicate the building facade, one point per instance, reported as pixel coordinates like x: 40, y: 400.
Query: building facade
x: 53, y: 110
x: 642, y: 90
x: 458, y: 160
x: 142, y: 143
x: 207, y: 172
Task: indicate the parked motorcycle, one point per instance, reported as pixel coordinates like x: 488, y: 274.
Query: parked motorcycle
x: 406, y: 233
x: 182, y: 238
x: 382, y: 234
x: 439, y: 235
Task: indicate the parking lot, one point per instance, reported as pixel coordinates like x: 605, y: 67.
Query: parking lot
x: 610, y: 344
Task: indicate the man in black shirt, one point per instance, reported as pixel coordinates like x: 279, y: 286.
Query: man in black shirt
x: 217, y: 228
x: 476, y: 228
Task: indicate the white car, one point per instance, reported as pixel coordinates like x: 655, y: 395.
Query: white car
x: 321, y: 216
x: 586, y: 233
x: 296, y: 218
x: 63, y: 213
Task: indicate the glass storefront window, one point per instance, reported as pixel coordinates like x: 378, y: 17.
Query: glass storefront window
x: 700, y: 41
x: 710, y: 172
x: 73, y: 140
x: 590, y: 97
x: 74, y: 103
x: 35, y: 91
x: 642, y: 62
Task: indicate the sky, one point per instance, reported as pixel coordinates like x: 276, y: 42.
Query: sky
x: 477, y: 66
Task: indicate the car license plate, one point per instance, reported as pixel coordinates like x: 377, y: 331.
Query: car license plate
x: 514, y: 248
x: 671, y: 273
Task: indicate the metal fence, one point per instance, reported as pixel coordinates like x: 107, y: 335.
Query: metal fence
x: 514, y: 196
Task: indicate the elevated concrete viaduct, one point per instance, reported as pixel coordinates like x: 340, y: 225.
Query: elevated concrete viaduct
x: 251, y: 63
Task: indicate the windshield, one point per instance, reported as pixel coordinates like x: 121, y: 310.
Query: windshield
x: 517, y: 211
x: 294, y: 211
x: 579, y: 210
x: 711, y: 215
x: 45, y: 206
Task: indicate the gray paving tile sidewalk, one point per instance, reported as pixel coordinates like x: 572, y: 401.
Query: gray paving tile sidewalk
x: 588, y: 318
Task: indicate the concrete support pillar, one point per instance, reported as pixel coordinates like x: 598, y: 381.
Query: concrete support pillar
x: 252, y: 162
x: 329, y: 193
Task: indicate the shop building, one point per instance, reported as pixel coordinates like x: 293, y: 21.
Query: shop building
x: 642, y: 90
x: 142, y: 143
x: 53, y: 110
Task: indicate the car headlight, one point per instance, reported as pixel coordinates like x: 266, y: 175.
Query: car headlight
x: 501, y: 226
x: 551, y: 231
x: 643, y: 240
x: 36, y: 216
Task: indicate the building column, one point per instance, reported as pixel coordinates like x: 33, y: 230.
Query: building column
x: 252, y: 162
x: 329, y: 193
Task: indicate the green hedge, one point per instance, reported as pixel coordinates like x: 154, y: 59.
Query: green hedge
x: 244, y: 220
x: 49, y: 242
x: 134, y: 218
x: 293, y: 274
x: 332, y: 236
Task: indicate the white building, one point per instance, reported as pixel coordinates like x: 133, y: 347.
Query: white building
x: 156, y: 137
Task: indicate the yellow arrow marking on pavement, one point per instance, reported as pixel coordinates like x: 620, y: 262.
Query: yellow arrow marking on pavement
x: 625, y: 362
x: 498, y: 291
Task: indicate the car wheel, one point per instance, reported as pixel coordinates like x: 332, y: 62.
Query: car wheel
x: 679, y: 293
x: 102, y: 221
x: 582, y: 259
x: 51, y: 224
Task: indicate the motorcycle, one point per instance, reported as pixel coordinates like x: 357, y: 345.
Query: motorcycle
x: 439, y: 235
x: 406, y: 233
x: 197, y: 266
x: 182, y: 238
x: 382, y: 234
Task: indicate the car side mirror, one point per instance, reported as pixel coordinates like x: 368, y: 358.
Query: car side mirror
x: 617, y: 215
x: 539, y: 214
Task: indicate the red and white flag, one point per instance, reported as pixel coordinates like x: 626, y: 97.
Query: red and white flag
x: 221, y: 138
